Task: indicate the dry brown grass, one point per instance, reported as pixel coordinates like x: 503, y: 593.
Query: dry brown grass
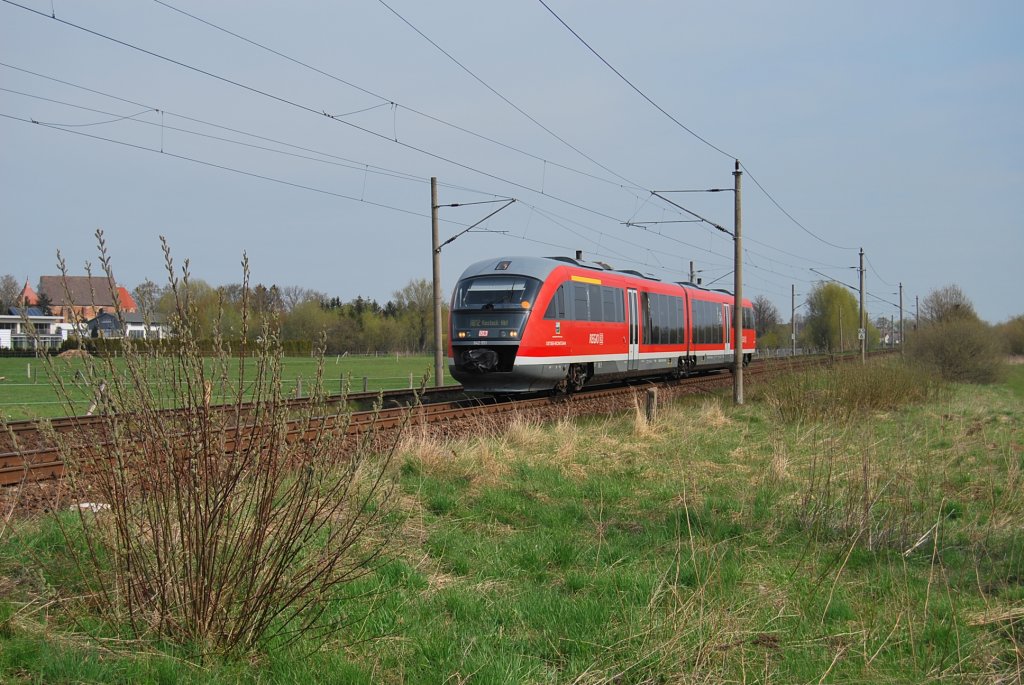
x: 711, y: 414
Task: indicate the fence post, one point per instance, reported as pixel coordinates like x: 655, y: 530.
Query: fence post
x: 652, y: 404
x: 411, y: 386
x: 366, y: 384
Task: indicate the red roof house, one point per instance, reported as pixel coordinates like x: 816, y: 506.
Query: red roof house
x: 28, y: 297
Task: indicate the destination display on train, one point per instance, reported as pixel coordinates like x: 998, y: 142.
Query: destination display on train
x: 490, y: 322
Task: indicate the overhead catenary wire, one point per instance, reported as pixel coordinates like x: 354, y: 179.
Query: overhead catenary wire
x: 312, y: 110
x: 222, y: 167
x: 551, y: 216
x: 631, y: 85
x: 606, y: 253
x: 385, y: 100
x: 354, y: 164
x: 495, y: 177
x: 689, y: 130
x: 344, y: 162
x: 790, y: 216
x: 878, y: 275
x: 505, y: 99
x: 292, y: 184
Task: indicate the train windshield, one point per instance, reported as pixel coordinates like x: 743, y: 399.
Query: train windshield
x: 496, y: 292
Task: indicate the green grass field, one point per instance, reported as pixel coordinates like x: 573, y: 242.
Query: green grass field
x: 718, y: 545
x: 26, y: 389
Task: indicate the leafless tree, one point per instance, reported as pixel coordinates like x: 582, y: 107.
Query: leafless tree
x: 766, y: 315
x: 947, y: 304
x: 9, y: 291
x: 294, y: 295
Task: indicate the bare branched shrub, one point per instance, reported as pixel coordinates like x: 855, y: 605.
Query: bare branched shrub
x: 232, y: 522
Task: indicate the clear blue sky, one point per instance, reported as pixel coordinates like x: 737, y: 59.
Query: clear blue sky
x: 896, y: 127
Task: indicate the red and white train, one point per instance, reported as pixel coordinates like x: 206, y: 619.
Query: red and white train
x: 522, y: 324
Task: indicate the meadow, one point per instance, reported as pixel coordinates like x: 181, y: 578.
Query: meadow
x: 876, y: 543
x: 27, y: 391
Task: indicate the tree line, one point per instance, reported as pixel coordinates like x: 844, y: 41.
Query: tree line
x: 403, y: 324
x: 826, y: 321
x: 829, y: 322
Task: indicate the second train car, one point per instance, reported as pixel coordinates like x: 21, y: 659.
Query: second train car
x: 525, y: 324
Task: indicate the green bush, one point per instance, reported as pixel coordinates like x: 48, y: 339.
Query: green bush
x: 960, y: 350
x: 1013, y: 334
x: 848, y: 389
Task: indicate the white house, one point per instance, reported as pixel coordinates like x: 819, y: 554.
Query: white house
x: 31, y: 332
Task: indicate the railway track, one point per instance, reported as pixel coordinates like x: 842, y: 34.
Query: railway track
x: 28, y: 453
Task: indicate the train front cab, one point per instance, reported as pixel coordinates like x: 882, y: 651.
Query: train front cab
x: 488, y: 318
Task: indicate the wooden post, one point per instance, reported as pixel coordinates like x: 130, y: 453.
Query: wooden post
x: 652, y: 404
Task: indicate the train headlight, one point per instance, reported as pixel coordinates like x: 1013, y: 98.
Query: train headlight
x: 525, y: 304
x: 462, y: 334
x: 513, y: 334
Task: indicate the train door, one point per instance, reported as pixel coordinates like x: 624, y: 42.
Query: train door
x: 727, y: 322
x: 633, y: 357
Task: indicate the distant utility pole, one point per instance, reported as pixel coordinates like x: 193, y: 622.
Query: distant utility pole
x: 737, y: 237
x: 792, y: 316
x: 693, y: 274
x: 842, y: 340
x: 901, y: 318
x: 436, y: 252
x: 917, y: 312
x: 737, y: 390
x: 862, y: 333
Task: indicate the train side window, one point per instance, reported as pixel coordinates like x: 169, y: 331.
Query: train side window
x: 663, y: 319
x: 707, y: 322
x: 681, y: 310
x: 698, y: 322
x: 675, y: 322
x: 594, y: 295
x: 655, y: 335
x: 611, y: 304
x: 580, y: 302
x: 556, y: 309
x: 646, y: 337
